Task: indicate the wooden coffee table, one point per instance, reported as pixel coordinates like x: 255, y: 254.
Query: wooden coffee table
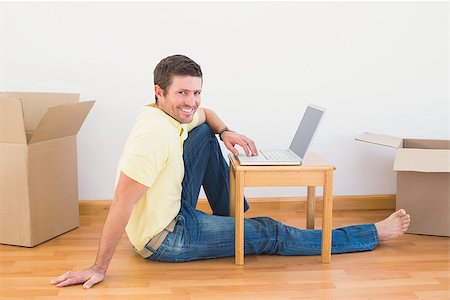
x: 314, y: 171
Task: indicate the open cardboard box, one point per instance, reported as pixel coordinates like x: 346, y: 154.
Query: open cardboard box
x: 38, y: 165
x: 423, y: 181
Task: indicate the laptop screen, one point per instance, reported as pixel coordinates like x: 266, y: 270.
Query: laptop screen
x: 306, y: 130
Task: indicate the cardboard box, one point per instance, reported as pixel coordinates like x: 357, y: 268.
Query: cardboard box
x: 38, y: 165
x: 423, y: 181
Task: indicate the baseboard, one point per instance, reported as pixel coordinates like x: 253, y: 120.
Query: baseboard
x: 359, y: 202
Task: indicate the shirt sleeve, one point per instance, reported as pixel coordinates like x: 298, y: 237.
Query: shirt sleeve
x: 145, y: 157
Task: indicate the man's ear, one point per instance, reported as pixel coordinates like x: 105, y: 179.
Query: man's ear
x: 158, y: 92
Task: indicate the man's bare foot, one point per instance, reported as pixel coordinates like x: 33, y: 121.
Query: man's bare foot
x: 393, y: 226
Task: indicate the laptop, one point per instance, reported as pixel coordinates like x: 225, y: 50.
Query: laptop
x: 299, y: 145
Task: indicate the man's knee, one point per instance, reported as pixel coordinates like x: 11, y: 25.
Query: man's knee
x: 202, y: 130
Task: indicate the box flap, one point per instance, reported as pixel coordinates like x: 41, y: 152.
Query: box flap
x: 35, y: 105
x: 62, y: 120
x: 380, y: 139
x: 426, y: 144
x: 422, y: 160
x: 12, y: 129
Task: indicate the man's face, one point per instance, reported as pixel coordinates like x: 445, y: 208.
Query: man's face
x: 182, y: 97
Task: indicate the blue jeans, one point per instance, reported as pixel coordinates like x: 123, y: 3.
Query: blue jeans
x: 198, y: 235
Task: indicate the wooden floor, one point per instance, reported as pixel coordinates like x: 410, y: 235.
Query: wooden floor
x: 413, y: 267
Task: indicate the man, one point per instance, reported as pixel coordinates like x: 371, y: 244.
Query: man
x: 160, y: 174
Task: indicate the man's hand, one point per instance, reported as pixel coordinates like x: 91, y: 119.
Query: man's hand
x: 230, y: 139
x: 89, y: 277
x: 128, y: 192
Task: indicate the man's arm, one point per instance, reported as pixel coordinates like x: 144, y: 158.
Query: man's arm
x: 127, y: 193
x: 229, y: 138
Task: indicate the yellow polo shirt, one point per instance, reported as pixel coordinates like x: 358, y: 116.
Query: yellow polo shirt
x: 153, y: 156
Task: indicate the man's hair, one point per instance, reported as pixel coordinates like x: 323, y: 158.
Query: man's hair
x: 174, y: 65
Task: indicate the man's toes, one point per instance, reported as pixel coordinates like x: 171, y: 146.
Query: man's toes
x: 402, y: 212
x: 405, y: 218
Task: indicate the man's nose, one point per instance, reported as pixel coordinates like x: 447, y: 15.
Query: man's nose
x: 190, y: 100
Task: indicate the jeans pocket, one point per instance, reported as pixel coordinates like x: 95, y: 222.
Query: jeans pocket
x: 177, y: 238
x: 180, y: 233
x: 173, y: 244
x: 180, y: 220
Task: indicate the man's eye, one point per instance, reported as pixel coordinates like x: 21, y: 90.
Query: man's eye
x: 181, y: 92
x: 197, y: 93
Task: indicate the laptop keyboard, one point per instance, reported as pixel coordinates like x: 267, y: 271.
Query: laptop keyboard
x: 279, y: 155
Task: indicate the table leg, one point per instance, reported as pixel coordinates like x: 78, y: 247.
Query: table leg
x: 239, y: 218
x: 232, y: 191
x: 311, y: 207
x: 327, y: 217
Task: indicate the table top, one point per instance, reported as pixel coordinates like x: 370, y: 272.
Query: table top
x: 312, y: 161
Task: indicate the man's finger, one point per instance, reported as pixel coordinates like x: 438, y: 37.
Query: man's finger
x: 60, y: 278
x: 231, y: 148
x: 251, y: 145
x: 93, y: 280
x: 245, y: 147
x: 70, y: 281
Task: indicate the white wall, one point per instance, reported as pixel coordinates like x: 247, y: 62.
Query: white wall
x: 380, y: 67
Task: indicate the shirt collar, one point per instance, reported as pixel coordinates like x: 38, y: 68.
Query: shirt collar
x: 180, y: 127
